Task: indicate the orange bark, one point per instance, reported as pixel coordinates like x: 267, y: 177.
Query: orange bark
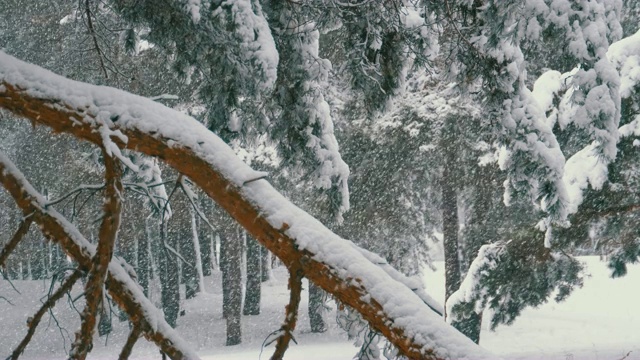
x: 64, y: 118
x: 93, y: 293
x: 291, y: 314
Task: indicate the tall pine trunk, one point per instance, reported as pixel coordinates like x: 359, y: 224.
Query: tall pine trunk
x: 449, y: 207
x: 254, y: 278
x: 181, y: 228
x: 144, y: 261
x: 197, y: 251
x: 231, y: 266
x: 265, y: 257
x: 169, y: 278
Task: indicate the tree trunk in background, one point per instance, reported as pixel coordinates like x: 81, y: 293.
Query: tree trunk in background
x: 205, y: 234
x: 231, y: 267
x: 265, y: 257
x: 477, y: 233
x: 169, y: 279
x: 181, y: 228
x: 450, y: 222
x: 197, y: 253
x: 316, y: 309
x: 37, y: 257
x: 144, y: 263
x: 254, y: 278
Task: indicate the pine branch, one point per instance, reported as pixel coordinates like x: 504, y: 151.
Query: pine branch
x: 17, y: 237
x: 100, y: 262
x: 33, y: 321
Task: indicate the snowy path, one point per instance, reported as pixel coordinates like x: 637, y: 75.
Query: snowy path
x: 598, y: 322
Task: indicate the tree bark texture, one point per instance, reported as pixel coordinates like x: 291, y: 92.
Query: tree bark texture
x: 180, y: 235
x: 169, y: 277
x: 266, y: 264
x: 231, y: 267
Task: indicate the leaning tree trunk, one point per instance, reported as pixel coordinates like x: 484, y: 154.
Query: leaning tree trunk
x: 231, y: 267
x: 254, y: 278
x: 122, y: 288
x: 121, y: 120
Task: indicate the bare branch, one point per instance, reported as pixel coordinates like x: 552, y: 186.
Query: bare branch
x: 92, y: 32
x: 121, y: 287
x: 134, y: 335
x: 17, y: 237
x: 291, y: 313
x: 194, y: 205
x: 100, y: 262
x: 33, y: 321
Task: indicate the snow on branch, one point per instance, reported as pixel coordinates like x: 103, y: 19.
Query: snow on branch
x: 297, y: 238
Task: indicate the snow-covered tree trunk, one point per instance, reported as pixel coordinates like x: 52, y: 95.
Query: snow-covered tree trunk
x: 336, y: 265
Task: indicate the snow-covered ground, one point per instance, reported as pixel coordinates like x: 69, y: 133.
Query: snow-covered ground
x: 599, y: 321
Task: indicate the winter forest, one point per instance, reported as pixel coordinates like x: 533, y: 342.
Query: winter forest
x: 320, y: 179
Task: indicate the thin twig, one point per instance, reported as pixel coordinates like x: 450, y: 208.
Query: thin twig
x: 33, y: 321
x: 92, y: 32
